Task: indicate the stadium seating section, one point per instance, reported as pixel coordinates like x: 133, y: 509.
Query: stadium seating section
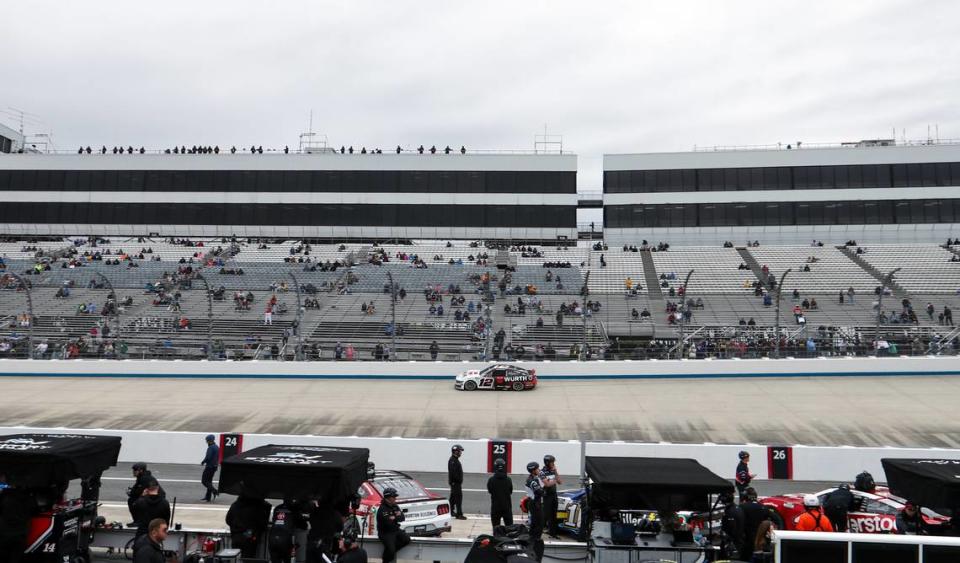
x: 163, y: 310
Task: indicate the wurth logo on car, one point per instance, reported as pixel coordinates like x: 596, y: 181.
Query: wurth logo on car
x: 23, y: 444
x: 872, y: 524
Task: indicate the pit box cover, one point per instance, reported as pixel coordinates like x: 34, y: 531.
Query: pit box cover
x: 652, y: 483
x: 278, y: 471
x: 41, y: 460
x: 934, y: 483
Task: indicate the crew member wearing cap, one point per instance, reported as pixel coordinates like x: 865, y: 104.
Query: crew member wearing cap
x: 455, y: 479
x: 149, y: 507
x: 743, y: 476
x: 534, y: 490
x: 550, y: 479
x: 210, y: 463
x: 391, y: 534
x: 142, y: 476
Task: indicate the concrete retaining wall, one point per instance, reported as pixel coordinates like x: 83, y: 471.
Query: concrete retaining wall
x: 809, y: 463
x: 648, y: 369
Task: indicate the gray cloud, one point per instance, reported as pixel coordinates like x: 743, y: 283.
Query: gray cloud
x: 609, y: 76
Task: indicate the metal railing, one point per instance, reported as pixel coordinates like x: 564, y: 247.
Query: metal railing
x: 867, y: 143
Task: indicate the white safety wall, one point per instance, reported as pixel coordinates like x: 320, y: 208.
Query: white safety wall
x: 810, y: 463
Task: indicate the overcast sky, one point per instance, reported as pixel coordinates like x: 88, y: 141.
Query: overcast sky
x: 609, y: 76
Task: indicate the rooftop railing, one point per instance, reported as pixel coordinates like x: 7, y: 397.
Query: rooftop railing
x: 800, y: 145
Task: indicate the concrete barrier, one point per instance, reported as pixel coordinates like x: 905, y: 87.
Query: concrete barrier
x: 648, y: 369
x: 809, y: 463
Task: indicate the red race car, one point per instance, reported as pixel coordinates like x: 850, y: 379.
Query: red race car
x: 874, y: 513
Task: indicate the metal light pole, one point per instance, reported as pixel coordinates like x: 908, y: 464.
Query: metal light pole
x: 206, y: 286
x: 393, y: 317
x: 26, y: 288
x: 683, y: 305
x: 776, y: 334
x: 583, y: 316
x: 883, y: 285
x: 116, y: 303
x: 296, y: 284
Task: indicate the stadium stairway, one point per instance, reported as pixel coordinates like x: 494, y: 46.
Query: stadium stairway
x: 897, y: 289
x: 750, y: 261
x: 650, y: 277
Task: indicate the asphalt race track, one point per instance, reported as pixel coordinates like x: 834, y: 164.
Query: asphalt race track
x: 908, y: 411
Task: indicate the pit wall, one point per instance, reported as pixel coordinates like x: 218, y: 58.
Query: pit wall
x: 806, y: 463
x: 647, y: 369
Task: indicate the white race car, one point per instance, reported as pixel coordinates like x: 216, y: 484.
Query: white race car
x: 498, y: 377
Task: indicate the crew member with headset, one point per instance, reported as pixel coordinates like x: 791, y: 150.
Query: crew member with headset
x: 455, y: 479
x: 500, y: 488
x: 743, y: 476
x: 210, y: 463
x: 813, y: 519
x: 247, y: 518
x: 550, y: 479
x: 391, y: 534
x: 350, y: 551
x: 17, y: 507
x: 281, y: 540
x: 142, y: 476
x: 534, y: 503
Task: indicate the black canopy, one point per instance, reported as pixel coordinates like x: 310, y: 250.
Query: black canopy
x: 934, y: 483
x: 277, y: 471
x: 652, y: 483
x: 41, y: 460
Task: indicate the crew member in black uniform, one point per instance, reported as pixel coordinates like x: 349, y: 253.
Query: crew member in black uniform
x: 534, y: 490
x: 210, y: 463
x: 743, y: 476
x: 500, y: 488
x: 350, y: 551
x: 149, y: 507
x: 838, y: 505
x: 731, y: 525
x: 281, y: 539
x: 17, y: 507
x: 455, y: 479
x: 142, y: 476
x: 389, y: 517
x: 550, y: 479
x: 753, y: 514
x: 247, y: 518
x: 325, y: 525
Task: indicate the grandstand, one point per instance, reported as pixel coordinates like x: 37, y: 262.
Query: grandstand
x: 348, y: 255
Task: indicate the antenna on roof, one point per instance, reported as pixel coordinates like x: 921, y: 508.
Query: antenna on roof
x: 547, y: 143
x: 311, y: 142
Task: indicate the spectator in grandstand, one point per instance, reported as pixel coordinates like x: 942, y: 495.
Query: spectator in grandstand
x: 268, y: 315
x: 434, y: 350
x: 947, y: 316
x: 350, y: 352
x: 338, y: 351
